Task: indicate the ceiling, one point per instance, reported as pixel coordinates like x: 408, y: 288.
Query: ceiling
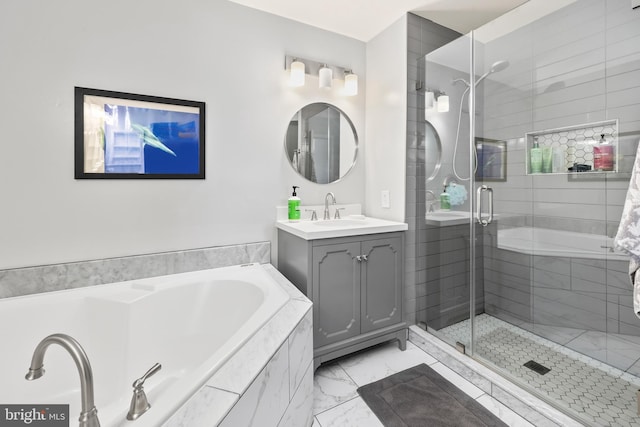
x: 364, y: 19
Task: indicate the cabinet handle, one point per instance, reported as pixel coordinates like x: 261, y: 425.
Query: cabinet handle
x: 359, y: 258
x: 364, y: 258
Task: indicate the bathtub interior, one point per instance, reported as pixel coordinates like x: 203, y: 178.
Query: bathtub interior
x: 190, y: 323
x: 560, y: 243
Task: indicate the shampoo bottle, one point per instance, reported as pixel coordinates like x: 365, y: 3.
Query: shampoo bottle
x: 603, y: 155
x: 294, y: 206
x: 535, y: 158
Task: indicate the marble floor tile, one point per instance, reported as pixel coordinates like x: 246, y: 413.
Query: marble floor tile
x: 331, y: 387
x: 353, y: 413
x: 457, y: 380
x: 505, y: 414
x: 381, y: 361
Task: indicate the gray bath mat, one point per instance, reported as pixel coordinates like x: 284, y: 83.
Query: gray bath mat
x: 420, y: 397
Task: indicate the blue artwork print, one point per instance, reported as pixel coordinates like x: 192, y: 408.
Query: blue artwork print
x: 150, y: 141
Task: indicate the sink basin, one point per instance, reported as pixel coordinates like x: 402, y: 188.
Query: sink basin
x: 340, y: 222
x: 353, y: 225
x: 444, y: 215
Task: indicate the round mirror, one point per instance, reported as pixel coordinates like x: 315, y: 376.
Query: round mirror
x: 433, y: 148
x: 321, y: 143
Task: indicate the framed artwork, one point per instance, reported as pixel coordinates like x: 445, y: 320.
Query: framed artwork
x: 492, y: 159
x: 123, y: 135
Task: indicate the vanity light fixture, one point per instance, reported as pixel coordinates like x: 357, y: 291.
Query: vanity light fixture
x: 325, y: 77
x: 429, y: 101
x: 350, y: 83
x: 299, y: 67
x: 434, y: 100
x: 296, y: 76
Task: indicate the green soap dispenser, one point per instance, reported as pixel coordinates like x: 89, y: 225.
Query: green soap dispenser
x: 445, y: 201
x: 294, y: 206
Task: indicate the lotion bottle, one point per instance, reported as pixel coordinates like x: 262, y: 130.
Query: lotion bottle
x: 294, y: 206
x: 535, y: 158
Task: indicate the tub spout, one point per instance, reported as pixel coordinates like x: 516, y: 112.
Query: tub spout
x: 89, y: 414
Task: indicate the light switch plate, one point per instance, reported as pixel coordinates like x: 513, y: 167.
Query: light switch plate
x: 384, y: 199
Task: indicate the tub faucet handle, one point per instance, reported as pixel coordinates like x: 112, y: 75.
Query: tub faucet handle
x: 139, y: 403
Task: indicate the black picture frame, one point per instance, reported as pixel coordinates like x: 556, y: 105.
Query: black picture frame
x: 492, y: 159
x: 121, y: 135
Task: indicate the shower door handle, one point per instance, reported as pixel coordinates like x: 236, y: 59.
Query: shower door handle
x: 484, y: 221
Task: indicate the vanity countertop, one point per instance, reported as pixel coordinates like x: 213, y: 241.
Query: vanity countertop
x: 354, y: 225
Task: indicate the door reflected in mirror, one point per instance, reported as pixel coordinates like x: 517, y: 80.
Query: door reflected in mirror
x: 321, y: 143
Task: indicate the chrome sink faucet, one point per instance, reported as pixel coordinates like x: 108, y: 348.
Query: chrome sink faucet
x: 326, y: 204
x: 89, y: 414
x: 435, y: 200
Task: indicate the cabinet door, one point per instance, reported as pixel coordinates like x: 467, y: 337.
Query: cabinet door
x: 336, y: 293
x: 381, y: 283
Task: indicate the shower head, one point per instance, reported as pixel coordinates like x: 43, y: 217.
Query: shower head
x: 495, y: 67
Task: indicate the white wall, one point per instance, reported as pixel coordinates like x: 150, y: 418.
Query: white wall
x: 227, y: 55
x: 386, y: 122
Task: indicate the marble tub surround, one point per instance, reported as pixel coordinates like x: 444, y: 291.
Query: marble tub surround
x: 33, y: 280
x: 269, y: 381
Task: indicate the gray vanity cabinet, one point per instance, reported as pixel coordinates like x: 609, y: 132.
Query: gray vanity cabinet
x: 381, y: 299
x: 356, y: 287
x: 336, y: 292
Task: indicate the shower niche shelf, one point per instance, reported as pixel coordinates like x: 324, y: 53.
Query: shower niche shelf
x: 572, y: 145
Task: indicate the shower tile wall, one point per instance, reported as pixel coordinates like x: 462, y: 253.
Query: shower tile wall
x: 445, y: 280
x: 424, y: 36
x: 579, y: 65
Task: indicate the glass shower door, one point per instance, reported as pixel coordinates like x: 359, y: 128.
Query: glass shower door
x: 445, y: 267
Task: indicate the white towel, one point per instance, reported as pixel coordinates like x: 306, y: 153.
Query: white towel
x: 628, y: 236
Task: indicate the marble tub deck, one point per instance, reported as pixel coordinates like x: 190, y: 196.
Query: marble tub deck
x: 243, y: 391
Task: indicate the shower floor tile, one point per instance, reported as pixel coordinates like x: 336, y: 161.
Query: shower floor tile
x: 591, y: 389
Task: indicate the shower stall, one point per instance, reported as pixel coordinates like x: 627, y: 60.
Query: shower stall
x: 521, y: 273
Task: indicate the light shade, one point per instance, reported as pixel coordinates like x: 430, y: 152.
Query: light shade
x: 350, y: 84
x: 443, y: 103
x: 429, y: 100
x: 296, y: 78
x: 325, y: 77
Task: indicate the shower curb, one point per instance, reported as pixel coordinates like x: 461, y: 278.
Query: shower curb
x: 523, y: 403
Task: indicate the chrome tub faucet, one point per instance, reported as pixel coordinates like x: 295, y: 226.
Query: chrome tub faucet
x: 89, y: 414
x: 139, y: 403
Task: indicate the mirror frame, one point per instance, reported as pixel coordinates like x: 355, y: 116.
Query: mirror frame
x: 436, y: 168
x: 356, y: 142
